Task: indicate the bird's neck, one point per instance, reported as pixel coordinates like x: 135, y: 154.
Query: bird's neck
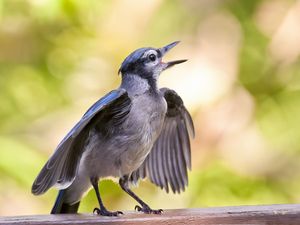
x: 136, y: 85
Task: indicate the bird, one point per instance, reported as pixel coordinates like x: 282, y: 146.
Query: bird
x: 134, y: 132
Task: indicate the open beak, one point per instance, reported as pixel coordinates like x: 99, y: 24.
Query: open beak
x: 167, y: 48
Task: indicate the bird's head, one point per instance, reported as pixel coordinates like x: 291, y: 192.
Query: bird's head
x: 147, y: 62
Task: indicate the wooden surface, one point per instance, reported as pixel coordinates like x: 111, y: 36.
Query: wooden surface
x: 270, y: 214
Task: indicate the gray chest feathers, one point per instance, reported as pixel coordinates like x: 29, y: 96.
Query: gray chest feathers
x: 132, y: 141
x: 141, y: 130
x: 147, y: 117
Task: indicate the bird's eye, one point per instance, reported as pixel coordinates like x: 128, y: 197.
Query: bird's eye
x: 152, y: 57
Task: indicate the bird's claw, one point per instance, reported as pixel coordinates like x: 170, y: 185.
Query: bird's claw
x: 104, y: 212
x: 146, y: 209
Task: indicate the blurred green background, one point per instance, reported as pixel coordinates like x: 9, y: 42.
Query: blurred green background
x: 241, y: 84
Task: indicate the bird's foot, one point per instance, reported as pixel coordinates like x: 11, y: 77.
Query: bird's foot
x: 105, y: 212
x: 146, y: 209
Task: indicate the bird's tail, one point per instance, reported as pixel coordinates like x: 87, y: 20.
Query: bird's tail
x: 60, y: 207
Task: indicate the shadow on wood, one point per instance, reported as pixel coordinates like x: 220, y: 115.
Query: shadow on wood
x: 269, y: 214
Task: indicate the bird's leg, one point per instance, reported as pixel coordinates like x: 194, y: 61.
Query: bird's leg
x: 144, y: 207
x: 102, y: 210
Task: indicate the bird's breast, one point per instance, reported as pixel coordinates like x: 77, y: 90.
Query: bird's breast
x: 144, y: 126
x: 148, y: 113
x: 131, y: 141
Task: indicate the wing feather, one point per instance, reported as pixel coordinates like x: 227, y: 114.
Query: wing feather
x: 61, y: 168
x: 170, y: 158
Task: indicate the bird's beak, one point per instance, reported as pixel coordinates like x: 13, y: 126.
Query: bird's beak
x: 167, y: 48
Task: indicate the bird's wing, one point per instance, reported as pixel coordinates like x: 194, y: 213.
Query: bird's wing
x: 60, y: 169
x: 167, y: 163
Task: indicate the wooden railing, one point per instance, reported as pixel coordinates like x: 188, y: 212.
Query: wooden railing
x: 268, y: 214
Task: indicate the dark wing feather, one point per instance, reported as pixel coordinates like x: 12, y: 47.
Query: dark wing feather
x: 60, y: 170
x: 170, y: 157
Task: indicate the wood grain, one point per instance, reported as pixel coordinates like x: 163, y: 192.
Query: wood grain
x: 265, y: 214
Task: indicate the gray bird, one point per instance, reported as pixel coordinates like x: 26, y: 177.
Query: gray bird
x: 134, y: 132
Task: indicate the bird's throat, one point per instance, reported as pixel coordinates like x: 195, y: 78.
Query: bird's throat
x: 136, y: 85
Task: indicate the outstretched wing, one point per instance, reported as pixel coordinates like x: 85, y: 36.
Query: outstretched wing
x: 167, y: 163
x: 60, y: 169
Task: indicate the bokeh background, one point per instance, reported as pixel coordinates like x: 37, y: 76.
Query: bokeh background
x: 241, y: 85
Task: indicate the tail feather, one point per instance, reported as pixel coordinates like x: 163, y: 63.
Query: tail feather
x: 60, y: 207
